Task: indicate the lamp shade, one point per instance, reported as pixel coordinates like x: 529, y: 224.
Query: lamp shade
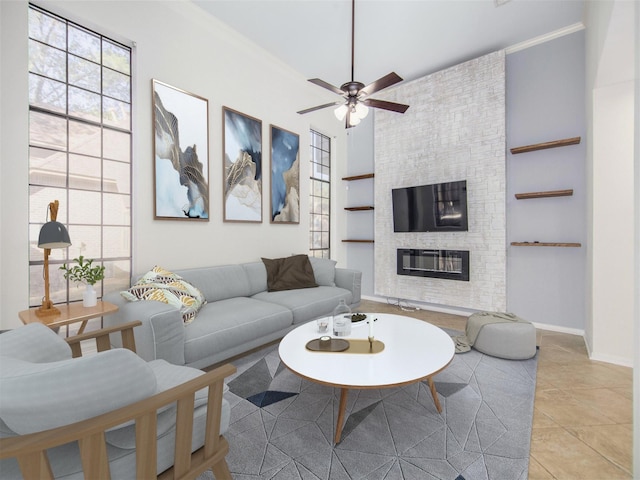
x: 53, y: 235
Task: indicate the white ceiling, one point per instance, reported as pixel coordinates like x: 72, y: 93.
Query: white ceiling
x: 411, y: 37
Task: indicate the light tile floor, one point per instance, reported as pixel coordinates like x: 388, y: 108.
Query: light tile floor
x: 582, y: 424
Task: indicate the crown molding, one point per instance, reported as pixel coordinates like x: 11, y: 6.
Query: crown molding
x: 576, y: 27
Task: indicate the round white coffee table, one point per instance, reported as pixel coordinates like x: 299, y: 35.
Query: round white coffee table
x: 414, y: 350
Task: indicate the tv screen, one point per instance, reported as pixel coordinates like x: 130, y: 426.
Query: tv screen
x: 441, y: 207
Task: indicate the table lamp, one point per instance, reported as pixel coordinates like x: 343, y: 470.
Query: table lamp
x: 53, y: 234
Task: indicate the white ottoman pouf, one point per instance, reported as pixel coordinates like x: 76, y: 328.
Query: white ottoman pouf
x: 513, y: 340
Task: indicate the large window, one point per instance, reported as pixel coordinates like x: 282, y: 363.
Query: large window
x: 320, y: 193
x: 79, y: 151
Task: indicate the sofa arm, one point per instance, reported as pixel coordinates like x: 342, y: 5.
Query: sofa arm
x: 351, y: 280
x: 161, y: 335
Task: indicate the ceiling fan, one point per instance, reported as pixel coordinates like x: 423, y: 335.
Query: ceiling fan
x: 354, y: 106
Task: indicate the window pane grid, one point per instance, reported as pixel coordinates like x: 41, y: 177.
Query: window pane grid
x: 319, y: 196
x: 80, y: 151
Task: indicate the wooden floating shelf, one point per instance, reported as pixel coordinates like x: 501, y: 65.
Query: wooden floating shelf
x: 545, y: 244
x: 358, y: 241
x: 552, y: 193
x: 541, y: 146
x: 359, y: 177
x: 358, y: 209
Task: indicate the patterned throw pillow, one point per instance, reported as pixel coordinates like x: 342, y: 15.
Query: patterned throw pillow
x: 167, y: 287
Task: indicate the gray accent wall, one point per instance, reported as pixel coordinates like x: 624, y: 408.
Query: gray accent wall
x: 360, y: 224
x: 453, y: 130
x: 546, y: 102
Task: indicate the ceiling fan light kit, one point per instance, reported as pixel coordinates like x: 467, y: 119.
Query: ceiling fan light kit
x: 355, y: 105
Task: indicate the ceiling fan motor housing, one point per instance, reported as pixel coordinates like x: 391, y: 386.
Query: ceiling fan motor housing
x: 352, y: 88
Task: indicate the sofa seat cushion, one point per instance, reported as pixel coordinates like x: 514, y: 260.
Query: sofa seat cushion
x: 232, y: 322
x: 307, y: 303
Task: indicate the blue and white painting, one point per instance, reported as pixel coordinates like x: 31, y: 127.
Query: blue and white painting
x: 181, y: 154
x: 242, y: 167
x: 285, y: 176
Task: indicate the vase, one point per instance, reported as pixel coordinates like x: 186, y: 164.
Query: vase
x: 342, y: 320
x: 89, y: 297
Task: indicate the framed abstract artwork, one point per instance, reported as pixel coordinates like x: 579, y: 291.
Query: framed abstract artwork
x: 242, y: 149
x: 285, y: 176
x: 181, y: 151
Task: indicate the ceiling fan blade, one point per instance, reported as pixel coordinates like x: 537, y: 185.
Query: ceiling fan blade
x: 319, y: 107
x: 384, y: 82
x: 328, y: 86
x: 383, y: 104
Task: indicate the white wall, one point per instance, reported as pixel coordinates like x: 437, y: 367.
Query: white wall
x: 454, y: 130
x: 611, y: 98
x: 176, y: 43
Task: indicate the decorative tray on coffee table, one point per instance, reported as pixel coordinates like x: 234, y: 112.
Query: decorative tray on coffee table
x: 327, y: 344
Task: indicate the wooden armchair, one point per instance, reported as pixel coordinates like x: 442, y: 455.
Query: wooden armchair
x: 91, y: 435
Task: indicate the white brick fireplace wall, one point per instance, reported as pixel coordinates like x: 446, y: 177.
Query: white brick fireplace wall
x: 453, y: 130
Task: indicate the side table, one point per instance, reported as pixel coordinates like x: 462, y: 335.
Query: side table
x: 69, y: 313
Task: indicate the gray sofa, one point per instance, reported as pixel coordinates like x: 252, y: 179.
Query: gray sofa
x: 240, y: 314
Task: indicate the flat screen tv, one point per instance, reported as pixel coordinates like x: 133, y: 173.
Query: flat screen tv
x: 441, y: 207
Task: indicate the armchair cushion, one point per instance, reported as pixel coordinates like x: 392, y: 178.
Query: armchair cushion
x: 35, y: 343
x: 167, y: 376
x: 76, y: 389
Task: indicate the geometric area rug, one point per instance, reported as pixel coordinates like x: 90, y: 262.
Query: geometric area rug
x: 282, y: 426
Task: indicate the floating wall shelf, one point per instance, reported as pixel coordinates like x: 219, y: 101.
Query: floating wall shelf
x: 359, y: 177
x: 542, y: 146
x: 357, y: 209
x: 552, y: 193
x: 545, y: 244
x: 361, y: 208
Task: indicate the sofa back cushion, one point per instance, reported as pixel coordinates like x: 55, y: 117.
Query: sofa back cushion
x: 324, y: 270
x: 220, y: 282
x: 257, y: 275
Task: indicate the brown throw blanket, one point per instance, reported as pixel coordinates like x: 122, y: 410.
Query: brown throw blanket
x: 466, y: 341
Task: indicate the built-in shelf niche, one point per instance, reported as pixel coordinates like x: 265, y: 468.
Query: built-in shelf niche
x: 552, y: 193
x: 361, y: 208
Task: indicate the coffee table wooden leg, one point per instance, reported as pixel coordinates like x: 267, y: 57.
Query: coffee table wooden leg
x: 343, y: 406
x: 434, y: 394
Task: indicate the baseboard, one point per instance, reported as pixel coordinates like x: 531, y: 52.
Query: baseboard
x: 559, y: 329
x: 464, y: 312
x: 622, y: 361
